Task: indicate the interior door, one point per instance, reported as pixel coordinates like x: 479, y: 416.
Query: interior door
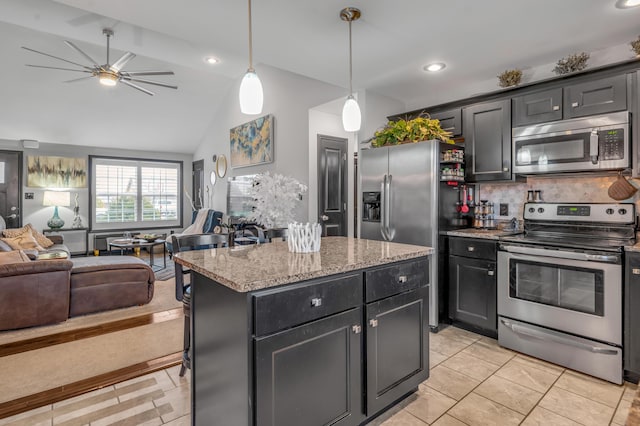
x: 197, y: 184
x: 10, y: 188
x: 332, y: 185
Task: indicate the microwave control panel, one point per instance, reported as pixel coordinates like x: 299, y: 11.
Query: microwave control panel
x: 611, y: 144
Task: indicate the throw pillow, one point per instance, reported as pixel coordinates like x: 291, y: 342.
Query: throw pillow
x: 14, y: 232
x: 40, y: 238
x: 23, y: 241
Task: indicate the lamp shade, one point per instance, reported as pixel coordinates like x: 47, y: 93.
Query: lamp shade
x: 56, y: 198
x: 251, y: 95
x: 351, y: 117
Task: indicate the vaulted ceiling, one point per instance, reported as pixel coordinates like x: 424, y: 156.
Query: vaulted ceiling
x: 391, y: 43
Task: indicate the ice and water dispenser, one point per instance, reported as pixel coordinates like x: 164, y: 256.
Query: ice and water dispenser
x: 371, y: 206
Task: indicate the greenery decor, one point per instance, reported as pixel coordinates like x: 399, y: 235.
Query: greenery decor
x: 572, y: 63
x: 406, y: 131
x: 635, y: 45
x: 510, y: 78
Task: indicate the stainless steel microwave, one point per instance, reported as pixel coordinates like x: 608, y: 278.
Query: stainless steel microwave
x: 599, y: 142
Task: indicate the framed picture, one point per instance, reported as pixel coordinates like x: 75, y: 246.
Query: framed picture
x: 56, y: 172
x: 252, y: 143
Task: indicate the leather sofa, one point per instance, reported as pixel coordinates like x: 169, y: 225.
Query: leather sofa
x: 41, y: 292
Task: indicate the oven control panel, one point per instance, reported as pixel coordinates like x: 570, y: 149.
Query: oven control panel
x: 581, y: 212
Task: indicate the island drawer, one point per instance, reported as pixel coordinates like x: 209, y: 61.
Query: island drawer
x: 396, y: 278
x: 278, y: 309
x: 473, y: 247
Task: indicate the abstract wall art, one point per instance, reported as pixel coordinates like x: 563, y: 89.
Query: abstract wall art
x: 56, y: 172
x: 252, y: 143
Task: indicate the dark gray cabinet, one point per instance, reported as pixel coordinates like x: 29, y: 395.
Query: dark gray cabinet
x: 311, y: 372
x: 397, y: 347
x: 538, y: 107
x: 450, y: 120
x: 335, y: 350
x: 487, y: 133
x: 596, y: 97
x: 473, y: 284
x: 631, y: 341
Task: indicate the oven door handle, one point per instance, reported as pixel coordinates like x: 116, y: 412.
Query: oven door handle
x: 561, y: 254
x: 526, y: 331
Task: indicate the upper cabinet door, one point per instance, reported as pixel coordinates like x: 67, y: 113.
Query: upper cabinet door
x: 538, y: 107
x: 596, y: 97
x: 487, y: 133
x: 450, y: 120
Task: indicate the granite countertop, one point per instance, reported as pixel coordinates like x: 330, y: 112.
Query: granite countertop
x: 254, y: 267
x: 487, y: 234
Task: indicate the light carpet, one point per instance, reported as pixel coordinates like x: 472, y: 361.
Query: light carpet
x: 34, y: 371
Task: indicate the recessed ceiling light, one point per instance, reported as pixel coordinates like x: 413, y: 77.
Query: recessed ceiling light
x: 211, y: 60
x: 437, y: 66
x: 626, y: 4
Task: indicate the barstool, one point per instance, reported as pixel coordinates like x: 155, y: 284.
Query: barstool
x: 183, y: 291
x: 282, y: 233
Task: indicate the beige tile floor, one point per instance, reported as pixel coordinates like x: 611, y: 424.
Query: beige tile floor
x: 473, y: 382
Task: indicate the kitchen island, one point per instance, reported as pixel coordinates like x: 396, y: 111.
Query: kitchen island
x: 280, y: 338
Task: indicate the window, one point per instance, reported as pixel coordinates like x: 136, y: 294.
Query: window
x: 135, y: 193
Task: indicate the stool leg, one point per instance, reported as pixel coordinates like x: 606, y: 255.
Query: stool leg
x: 186, y: 359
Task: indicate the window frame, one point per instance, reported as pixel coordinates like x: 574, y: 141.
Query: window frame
x: 139, y: 163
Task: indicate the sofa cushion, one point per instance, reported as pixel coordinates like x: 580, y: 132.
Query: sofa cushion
x: 40, y: 238
x: 4, y: 246
x: 23, y: 241
x: 14, y: 232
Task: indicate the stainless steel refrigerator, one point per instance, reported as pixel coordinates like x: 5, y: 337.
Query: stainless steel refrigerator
x: 405, y: 200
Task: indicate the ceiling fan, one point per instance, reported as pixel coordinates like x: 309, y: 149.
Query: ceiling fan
x: 108, y: 74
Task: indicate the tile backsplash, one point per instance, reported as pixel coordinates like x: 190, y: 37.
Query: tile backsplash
x: 574, y: 189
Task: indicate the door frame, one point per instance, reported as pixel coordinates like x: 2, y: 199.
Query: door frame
x: 21, y: 168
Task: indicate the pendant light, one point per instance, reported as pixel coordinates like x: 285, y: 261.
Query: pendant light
x: 251, y: 95
x: 351, y: 117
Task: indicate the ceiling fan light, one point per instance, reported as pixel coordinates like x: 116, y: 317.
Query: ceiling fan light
x: 107, y: 78
x: 251, y: 94
x: 351, y: 117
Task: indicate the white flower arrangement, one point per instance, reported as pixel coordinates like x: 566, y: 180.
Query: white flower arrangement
x: 275, y: 199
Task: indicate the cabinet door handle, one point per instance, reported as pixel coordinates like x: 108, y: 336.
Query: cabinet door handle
x: 316, y: 301
x: 556, y: 107
x: 575, y: 104
x: 356, y: 329
x: 471, y: 248
x: 402, y: 279
x: 506, y: 169
x: 635, y: 271
x: 490, y: 272
x: 373, y: 322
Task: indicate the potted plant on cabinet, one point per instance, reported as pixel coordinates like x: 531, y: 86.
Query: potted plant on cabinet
x: 409, y: 131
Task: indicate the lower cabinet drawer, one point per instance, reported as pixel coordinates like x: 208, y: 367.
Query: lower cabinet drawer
x: 396, y: 278
x: 472, y: 247
x: 279, y: 309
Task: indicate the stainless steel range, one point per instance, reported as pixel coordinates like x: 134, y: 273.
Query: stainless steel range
x: 560, y: 285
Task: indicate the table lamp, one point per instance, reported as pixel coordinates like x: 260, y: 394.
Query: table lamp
x: 56, y: 198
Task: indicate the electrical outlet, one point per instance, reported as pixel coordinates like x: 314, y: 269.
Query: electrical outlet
x: 504, y: 209
x: 28, y: 195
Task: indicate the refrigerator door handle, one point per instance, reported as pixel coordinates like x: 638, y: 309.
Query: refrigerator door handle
x: 383, y: 216
x: 390, y: 231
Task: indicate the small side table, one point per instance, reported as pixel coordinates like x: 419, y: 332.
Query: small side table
x: 74, y: 238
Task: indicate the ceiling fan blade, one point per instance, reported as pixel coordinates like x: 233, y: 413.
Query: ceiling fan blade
x: 135, y: 86
x: 55, y: 57
x: 135, y: 73
x: 155, y: 83
x: 77, y: 79
x: 120, y: 63
x: 57, y: 68
x: 77, y: 49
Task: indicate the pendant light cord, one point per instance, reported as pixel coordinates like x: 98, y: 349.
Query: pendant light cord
x: 250, y: 41
x: 108, y: 37
x: 350, y: 63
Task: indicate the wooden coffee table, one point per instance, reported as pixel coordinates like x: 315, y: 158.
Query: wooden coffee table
x: 136, y: 244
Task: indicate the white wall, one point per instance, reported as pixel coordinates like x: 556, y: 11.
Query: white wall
x: 288, y: 97
x: 32, y: 210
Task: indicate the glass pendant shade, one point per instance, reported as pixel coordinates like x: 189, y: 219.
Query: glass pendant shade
x: 351, y: 117
x: 251, y: 95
